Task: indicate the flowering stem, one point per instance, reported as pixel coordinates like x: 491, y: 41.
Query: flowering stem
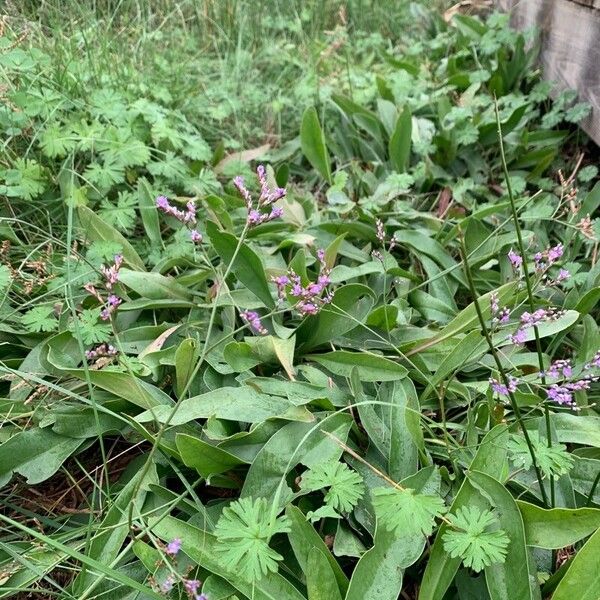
x: 505, y: 380
x: 530, y: 299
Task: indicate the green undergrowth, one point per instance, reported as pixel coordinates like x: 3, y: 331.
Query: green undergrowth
x: 368, y: 372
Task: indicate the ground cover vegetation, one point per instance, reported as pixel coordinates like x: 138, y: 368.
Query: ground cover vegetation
x: 298, y: 301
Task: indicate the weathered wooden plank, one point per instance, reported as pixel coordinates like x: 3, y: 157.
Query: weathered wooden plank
x: 570, y: 46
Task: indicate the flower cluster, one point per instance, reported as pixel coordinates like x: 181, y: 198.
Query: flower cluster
x: 111, y: 277
x: 187, y: 216
x: 312, y: 297
x: 100, y: 351
x: 542, y: 263
x: 563, y: 393
x: 531, y: 320
x: 502, y: 389
x: 264, y: 210
x: 595, y: 362
x: 559, y: 368
x: 253, y: 319
x: 191, y: 586
x: 381, y: 236
x: 499, y: 315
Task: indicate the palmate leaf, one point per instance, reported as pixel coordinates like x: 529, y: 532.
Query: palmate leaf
x: 404, y: 511
x: 26, y: 180
x: 122, y: 216
x: 345, y: 485
x: 40, y: 318
x: 88, y: 326
x: 553, y: 461
x: 243, y: 533
x: 473, y: 541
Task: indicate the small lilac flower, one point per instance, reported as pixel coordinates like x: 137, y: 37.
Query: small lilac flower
x: 196, y: 236
x: 501, y: 389
x: 380, y: 230
x: 307, y: 308
x: 518, y: 337
x: 555, y: 253
x: 167, y: 585
x: 515, y: 259
x: 257, y: 214
x: 173, y: 547
x: 377, y: 255
x: 113, y: 301
x: 105, y: 314
x: 163, y: 203
x: 191, y: 586
x: 560, y: 395
x: 504, y: 316
x: 494, y: 306
x: 560, y: 368
x: 595, y: 362
x: 253, y: 319
x: 563, y: 275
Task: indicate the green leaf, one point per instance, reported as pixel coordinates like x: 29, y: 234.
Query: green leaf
x: 473, y: 541
x: 97, y: 230
x: 345, y: 485
x: 553, y: 461
x: 402, y: 510
x: 149, y: 212
x: 204, y: 457
x: 35, y: 454
x: 312, y: 141
x: 294, y: 443
x: 5, y: 277
x: 582, y: 579
x: 185, y: 363
x: 491, y: 458
x: 467, y: 318
x: 320, y: 580
x: 229, y: 403
x: 350, y: 306
x: 90, y: 328
x: 243, y: 533
x: 40, y: 318
x: 556, y: 528
x: 304, y: 539
x: 121, y: 216
x: 400, y: 141
x: 515, y: 576
x: 201, y: 547
x: 371, y: 367
x: 247, y: 266
x: 379, y: 572
x: 154, y: 286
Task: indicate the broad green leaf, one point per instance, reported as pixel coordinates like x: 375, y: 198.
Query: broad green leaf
x: 294, y: 443
x: 312, y: 141
x: 240, y: 356
x: 349, y: 308
x: 185, y: 363
x: 515, y: 577
x: 304, y: 539
x: 97, y: 230
x: 556, y: 528
x: 371, y: 367
x: 400, y: 141
x: 230, y: 403
x: 379, y: 572
x: 149, y: 212
x: 491, y: 459
x: 320, y: 580
x: 467, y: 319
x: 204, y: 457
x: 200, y: 546
x: 247, y: 267
x: 35, y: 454
x: 582, y: 579
x: 154, y: 286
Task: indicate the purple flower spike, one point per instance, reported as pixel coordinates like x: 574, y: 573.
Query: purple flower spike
x: 163, y: 203
x: 196, y: 236
x: 519, y: 337
x: 515, y: 259
x: 555, y: 253
x: 173, y: 547
x: 253, y: 319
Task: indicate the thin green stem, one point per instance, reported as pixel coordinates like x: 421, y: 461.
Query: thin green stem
x: 530, y: 298
x: 501, y: 370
